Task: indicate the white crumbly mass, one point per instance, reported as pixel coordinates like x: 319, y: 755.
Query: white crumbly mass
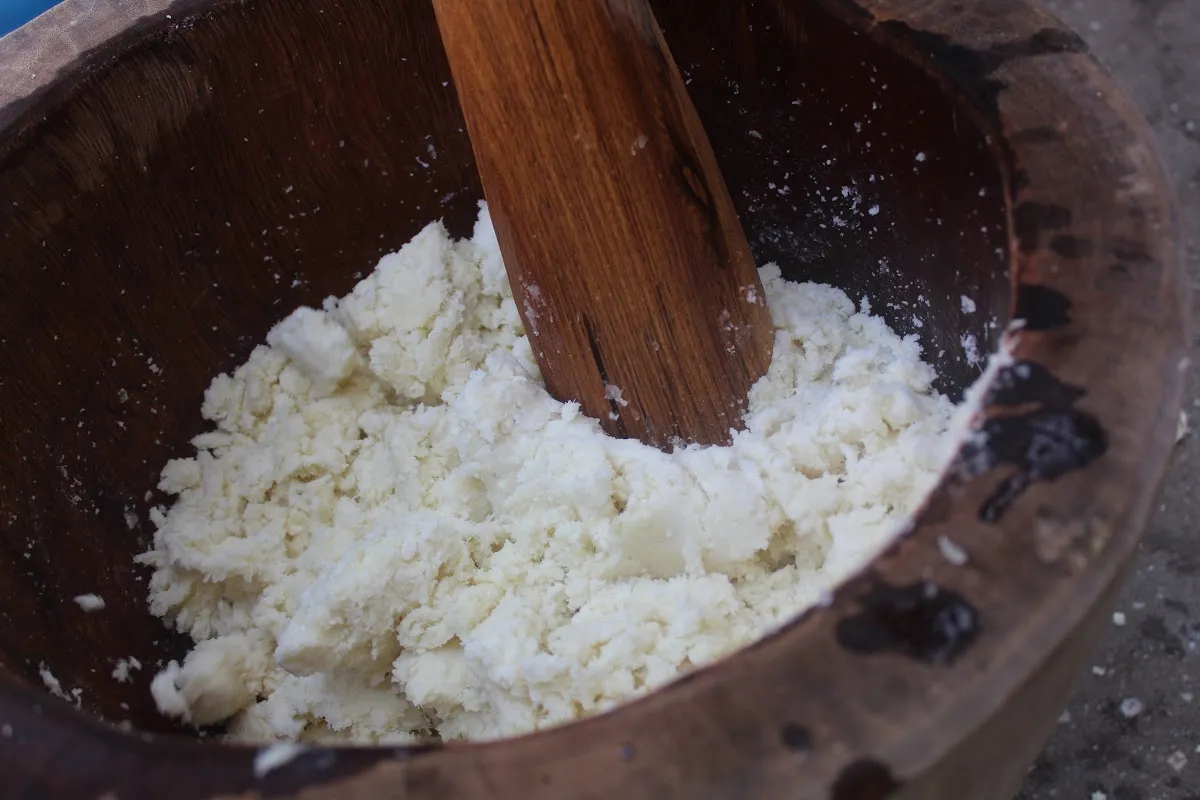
x: 395, y: 533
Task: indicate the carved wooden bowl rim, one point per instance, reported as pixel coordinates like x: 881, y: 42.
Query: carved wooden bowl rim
x: 865, y: 696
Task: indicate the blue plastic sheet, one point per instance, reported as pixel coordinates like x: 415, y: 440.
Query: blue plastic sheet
x: 15, y: 13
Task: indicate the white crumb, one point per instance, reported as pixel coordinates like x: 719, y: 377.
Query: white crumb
x: 90, y: 602
x: 952, y: 552
x: 613, y: 393
x: 275, y: 756
x: 124, y: 667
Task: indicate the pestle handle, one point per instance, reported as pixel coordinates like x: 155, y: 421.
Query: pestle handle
x: 628, y: 263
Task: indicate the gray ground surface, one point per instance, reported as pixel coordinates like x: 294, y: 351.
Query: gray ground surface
x: 1132, y: 732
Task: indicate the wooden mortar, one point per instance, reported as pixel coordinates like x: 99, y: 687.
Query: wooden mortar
x: 178, y: 174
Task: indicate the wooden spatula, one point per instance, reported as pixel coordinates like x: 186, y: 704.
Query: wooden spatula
x: 626, y: 257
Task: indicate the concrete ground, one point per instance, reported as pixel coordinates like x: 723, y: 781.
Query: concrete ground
x: 1132, y: 732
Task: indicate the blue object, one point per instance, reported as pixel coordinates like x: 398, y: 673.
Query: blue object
x: 15, y: 13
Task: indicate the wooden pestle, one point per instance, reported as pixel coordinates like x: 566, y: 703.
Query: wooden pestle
x: 627, y: 260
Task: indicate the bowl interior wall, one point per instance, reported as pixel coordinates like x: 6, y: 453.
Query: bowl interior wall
x: 168, y: 203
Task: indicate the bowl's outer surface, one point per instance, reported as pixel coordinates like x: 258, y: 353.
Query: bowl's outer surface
x: 176, y: 176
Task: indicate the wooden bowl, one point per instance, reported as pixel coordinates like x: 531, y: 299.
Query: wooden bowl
x: 177, y: 175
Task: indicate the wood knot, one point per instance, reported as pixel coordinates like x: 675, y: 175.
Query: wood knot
x: 696, y: 186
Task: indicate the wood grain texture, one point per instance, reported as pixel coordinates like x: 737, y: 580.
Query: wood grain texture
x: 148, y: 218
x: 623, y: 248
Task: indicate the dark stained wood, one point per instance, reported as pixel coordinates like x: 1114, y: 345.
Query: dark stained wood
x: 626, y: 257
x: 129, y: 140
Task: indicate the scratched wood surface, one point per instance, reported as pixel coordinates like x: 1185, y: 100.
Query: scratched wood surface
x: 629, y: 266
